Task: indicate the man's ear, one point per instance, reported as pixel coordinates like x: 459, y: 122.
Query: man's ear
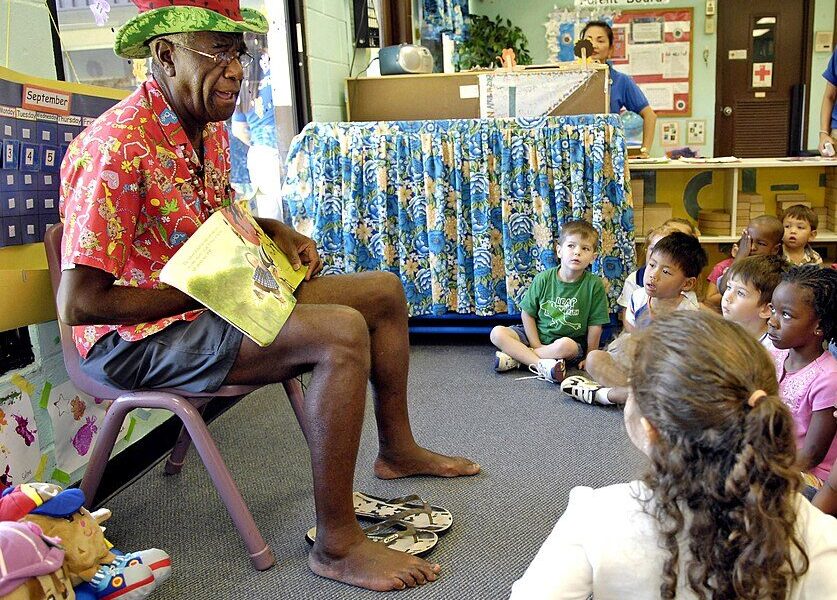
x: 161, y: 53
x: 764, y: 311
x: 689, y: 284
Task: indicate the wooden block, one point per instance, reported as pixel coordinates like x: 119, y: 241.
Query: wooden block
x: 639, y: 225
x: 655, y: 214
x: 791, y: 197
x: 714, y: 216
x: 748, y: 197
x: 783, y: 205
x: 714, y: 231
x: 638, y: 192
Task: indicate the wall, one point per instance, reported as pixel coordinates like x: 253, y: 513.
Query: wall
x: 27, y: 49
x: 531, y: 20
x: 823, y: 21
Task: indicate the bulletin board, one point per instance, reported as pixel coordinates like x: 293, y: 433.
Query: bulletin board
x: 654, y: 47
x: 38, y: 120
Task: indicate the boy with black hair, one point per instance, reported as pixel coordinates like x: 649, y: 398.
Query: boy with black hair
x: 800, y: 223
x: 672, y: 272
x: 750, y: 286
x: 563, y: 311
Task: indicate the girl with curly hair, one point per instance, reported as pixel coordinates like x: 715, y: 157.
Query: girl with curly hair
x: 803, y: 321
x: 717, y: 514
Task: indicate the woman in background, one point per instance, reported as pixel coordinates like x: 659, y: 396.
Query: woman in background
x: 624, y: 92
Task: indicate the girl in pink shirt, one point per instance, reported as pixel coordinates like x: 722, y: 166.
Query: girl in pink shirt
x: 803, y: 317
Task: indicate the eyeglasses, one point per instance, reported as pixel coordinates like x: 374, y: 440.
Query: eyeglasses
x: 223, y: 58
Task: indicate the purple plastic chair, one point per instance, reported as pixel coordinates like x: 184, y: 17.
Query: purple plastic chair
x: 188, y: 406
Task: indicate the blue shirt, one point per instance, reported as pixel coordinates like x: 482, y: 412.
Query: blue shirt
x: 830, y: 75
x: 625, y: 93
x: 260, y: 119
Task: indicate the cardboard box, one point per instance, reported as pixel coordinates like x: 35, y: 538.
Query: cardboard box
x: 656, y: 214
x: 638, y: 192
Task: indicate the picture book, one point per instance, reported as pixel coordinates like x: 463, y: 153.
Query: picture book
x: 234, y: 269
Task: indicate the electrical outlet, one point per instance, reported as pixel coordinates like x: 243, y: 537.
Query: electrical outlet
x: 709, y: 25
x: 710, y: 7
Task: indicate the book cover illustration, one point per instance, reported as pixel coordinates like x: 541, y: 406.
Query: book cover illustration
x: 234, y: 269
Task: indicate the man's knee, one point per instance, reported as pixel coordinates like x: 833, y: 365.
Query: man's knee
x: 384, y: 295
x: 346, y: 336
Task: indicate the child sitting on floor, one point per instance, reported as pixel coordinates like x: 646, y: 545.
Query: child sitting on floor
x: 800, y: 224
x: 763, y: 235
x: 803, y: 318
x: 672, y: 272
x: 562, y: 311
x: 826, y: 498
x: 636, y: 279
x: 750, y: 286
x: 718, y: 513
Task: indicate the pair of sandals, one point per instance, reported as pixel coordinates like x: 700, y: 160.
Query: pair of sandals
x: 407, y: 524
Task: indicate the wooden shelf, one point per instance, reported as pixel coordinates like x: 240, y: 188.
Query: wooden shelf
x: 823, y: 235
x: 744, y: 163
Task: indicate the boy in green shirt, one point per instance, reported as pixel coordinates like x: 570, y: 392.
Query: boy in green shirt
x: 562, y: 311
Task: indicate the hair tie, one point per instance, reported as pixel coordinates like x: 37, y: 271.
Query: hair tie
x: 756, y: 397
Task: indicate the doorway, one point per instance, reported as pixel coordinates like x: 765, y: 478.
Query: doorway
x: 761, y: 77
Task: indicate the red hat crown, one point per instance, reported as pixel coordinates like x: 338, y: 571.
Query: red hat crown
x: 228, y: 8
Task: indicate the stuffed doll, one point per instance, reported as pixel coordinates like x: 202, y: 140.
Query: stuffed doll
x: 94, y: 570
x: 32, y: 564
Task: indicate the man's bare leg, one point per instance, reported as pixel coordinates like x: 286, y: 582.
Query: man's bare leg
x: 332, y: 342
x: 379, y: 297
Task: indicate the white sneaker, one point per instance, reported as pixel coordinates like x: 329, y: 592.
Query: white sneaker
x: 549, y: 369
x: 503, y: 362
x: 581, y: 389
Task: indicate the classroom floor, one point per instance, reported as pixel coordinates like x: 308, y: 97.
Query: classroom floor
x: 533, y: 442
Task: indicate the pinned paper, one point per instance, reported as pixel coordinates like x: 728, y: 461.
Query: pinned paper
x: 20, y: 451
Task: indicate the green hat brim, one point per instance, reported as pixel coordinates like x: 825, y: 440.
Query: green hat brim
x: 133, y: 37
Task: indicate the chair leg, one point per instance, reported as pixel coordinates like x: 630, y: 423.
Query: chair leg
x: 178, y: 454
x: 260, y: 553
x: 103, y: 447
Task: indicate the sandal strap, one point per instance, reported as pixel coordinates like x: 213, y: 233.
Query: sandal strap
x: 411, y: 499
x: 401, y: 529
x: 414, y: 511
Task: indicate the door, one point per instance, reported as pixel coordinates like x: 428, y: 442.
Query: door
x: 761, y: 73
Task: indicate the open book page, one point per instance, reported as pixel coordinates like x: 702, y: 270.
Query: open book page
x: 234, y: 269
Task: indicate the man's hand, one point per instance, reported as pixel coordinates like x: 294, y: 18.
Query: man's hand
x: 300, y: 249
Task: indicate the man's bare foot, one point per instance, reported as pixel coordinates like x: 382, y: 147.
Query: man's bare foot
x: 420, y: 461
x: 373, y: 566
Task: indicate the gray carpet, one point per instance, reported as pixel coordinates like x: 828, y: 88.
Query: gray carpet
x: 533, y: 442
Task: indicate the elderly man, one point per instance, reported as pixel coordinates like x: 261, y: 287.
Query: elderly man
x: 135, y: 185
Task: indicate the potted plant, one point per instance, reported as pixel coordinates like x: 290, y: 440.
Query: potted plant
x: 486, y: 41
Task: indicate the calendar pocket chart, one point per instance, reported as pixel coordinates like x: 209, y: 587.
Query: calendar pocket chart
x: 38, y: 121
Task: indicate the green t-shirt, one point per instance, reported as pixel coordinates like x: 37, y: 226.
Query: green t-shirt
x: 564, y: 309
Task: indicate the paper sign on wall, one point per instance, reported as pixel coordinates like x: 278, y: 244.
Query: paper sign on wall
x: 20, y: 450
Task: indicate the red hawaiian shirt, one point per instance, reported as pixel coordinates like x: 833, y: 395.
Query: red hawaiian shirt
x: 132, y: 193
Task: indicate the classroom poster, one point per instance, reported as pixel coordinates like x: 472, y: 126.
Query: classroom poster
x: 20, y: 450
x: 76, y: 421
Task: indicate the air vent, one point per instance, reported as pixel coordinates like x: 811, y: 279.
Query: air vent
x: 761, y: 128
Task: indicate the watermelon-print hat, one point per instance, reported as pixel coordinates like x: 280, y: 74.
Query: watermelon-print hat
x: 160, y: 17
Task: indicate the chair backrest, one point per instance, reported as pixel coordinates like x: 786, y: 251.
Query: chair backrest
x: 52, y: 245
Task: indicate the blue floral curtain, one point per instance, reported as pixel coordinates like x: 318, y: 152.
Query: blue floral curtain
x: 446, y: 16
x: 466, y: 212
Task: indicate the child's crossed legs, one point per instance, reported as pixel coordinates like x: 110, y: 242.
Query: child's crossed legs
x: 514, y: 342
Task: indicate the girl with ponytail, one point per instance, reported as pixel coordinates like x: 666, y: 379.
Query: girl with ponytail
x: 717, y: 514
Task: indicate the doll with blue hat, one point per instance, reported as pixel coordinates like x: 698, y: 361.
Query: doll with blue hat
x: 95, y: 570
